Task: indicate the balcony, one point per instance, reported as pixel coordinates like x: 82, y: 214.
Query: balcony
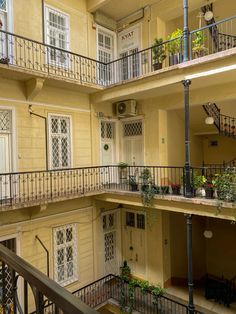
x: 39, y: 286
x: 30, y: 57
x: 113, y: 290
x: 144, y: 185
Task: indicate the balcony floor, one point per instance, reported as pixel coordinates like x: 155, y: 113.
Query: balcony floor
x: 180, y: 293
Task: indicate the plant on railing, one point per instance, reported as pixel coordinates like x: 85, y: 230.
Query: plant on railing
x: 125, y: 271
x: 175, y: 188
x: 175, y: 46
x: 122, y: 168
x: 158, y: 53
x: 148, y: 190
x: 209, y: 188
x: 198, y: 182
x: 226, y: 185
x: 199, y: 49
x: 133, y: 183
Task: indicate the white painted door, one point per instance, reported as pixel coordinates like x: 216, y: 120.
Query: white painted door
x: 4, y: 27
x: 105, y: 50
x: 134, y: 239
x: 110, y: 241
x: 107, y: 142
x: 132, y: 146
x: 4, y: 166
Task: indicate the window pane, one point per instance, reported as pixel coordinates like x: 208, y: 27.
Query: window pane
x: 130, y: 219
x: 55, y: 152
x: 60, y: 256
x: 69, y: 234
x: 60, y: 237
x: 64, y: 152
x: 54, y: 125
x: 140, y: 221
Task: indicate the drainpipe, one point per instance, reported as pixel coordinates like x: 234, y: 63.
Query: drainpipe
x: 43, y: 18
x: 47, y: 252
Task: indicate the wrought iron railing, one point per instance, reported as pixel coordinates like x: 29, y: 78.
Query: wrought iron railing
x: 213, y: 38
x: 226, y: 125
x: 142, y: 62
x: 37, y: 285
x: 112, y: 287
x: 33, y: 55
x: 39, y: 187
x: 19, y: 51
x: 24, y: 189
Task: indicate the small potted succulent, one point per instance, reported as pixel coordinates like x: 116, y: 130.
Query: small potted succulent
x: 175, y: 47
x: 158, y: 53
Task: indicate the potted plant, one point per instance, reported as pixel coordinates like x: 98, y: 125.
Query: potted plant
x: 175, y: 188
x: 164, y: 189
x: 225, y: 185
x: 198, y: 182
x: 133, y: 183
x: 158, y: 53
x: 175, y: 47
x: 146, y: 178
x: 209, y: 189
x: 125, y: 271
x: 199, y: 49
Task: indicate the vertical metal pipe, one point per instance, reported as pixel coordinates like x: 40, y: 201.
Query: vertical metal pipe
x: 186, y: 31
x: 43, y: 21
x: 190, y: 263
x: 188, y: 187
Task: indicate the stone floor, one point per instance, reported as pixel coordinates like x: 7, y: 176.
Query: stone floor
x: 206, y: 306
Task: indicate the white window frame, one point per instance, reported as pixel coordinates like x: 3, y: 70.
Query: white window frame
x: 47, y: 10
x: 50, y: 116
x: 74, y: 244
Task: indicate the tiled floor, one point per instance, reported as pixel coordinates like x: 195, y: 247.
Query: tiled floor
x: 206, y: 306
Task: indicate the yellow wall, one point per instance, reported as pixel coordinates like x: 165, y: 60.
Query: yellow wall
x: 176, y: 142
x: 225, y: 151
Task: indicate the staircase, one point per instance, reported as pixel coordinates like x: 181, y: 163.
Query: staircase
x: 226, y: 125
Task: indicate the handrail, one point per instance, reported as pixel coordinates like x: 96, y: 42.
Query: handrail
x: 211, y: 25
x: 63, y: 299
x: 51, y: 47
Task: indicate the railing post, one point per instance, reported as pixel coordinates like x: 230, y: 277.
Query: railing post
x: 190, y: 263
x: 186, y: 31
x: 188, y: 187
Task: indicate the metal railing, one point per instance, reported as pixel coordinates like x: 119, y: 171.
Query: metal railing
x: 112, y: 287
x: 33, y: 55
x: 213, y: 38
x: 42, y: 289
x: 24, y: 189
x: 139, y: 63
x: 39, y: 187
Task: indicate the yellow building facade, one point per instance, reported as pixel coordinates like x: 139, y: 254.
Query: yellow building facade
x: 79, y: 95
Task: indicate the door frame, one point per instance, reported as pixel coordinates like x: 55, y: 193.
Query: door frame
x: 116, y: 139
x: 124, y: 229
x: 118, y: 230
x: 12, y: 137
x: 139, y: 117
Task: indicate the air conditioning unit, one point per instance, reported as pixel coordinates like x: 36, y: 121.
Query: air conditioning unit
x: 126, y: 108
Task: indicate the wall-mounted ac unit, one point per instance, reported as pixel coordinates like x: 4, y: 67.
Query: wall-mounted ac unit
x: 126, y: 108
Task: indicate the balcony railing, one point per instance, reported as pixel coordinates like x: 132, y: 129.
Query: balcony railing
x: 14, y: 271
x: 111, y: 287
x: 24, y: 189
x: 41, y: 58
x: 35, y: 56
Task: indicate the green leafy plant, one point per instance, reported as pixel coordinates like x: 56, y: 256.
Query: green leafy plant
x: 158, y: 51
x: 199, y: 48
x: 147, y: 189
x: 198, y: 181
x: 225, y: 185
x: 175, y: 44
x: 125, y: 271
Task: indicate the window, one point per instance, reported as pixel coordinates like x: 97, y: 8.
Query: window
x: 5, y: 121
x: 60, y: 141
x: 57, y: 35
x: 3, y: 5
x: 140, y: 221
x: 130, y: 219
x: 107, y: 130
x: 65, y: 254
x: 109, y: 230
